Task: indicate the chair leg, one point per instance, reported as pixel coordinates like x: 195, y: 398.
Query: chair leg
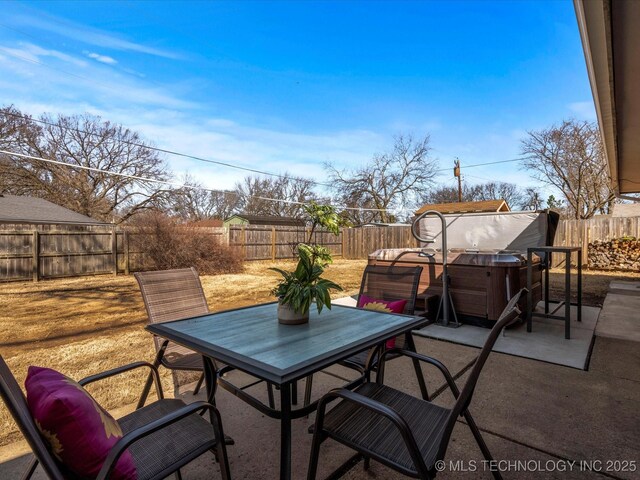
x: 480, y: 441
x: 178, y: 475
x: 315, y: 454
x: 270, y: 395
x: 147, y: 385
x: 145, y: 392
x: 199, y: 384
x: 308, y: 386
x: 294, y: 393
x: 307, y: 391
x: 30, y: 469
x: 418, y: 369
x: 367, y: 463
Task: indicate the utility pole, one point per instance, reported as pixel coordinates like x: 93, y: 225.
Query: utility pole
x: 456, y: 173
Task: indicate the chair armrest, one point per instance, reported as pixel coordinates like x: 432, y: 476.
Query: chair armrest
x: 121, y: 445
x: 377, y: 408
x: 126, y: 368
x: 431, y: 361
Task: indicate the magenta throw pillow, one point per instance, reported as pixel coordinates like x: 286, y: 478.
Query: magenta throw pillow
x: 388, y: 306
x: 80, y: 432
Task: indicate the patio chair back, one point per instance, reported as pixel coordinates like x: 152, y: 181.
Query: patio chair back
x: 16, y: 402
x: 507, y: 317
x: 392, y: 283
x: 172, y: 295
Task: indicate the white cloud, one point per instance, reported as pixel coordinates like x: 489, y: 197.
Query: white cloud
x: 34, y: 53
x: 101, y: 58
x: 84, y: 34
x: 258, y: 148
x: 584, y: 110
x: 41, y: 75
x: 165, y: 118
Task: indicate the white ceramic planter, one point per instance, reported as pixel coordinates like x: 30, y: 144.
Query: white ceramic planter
x: 288, y: 316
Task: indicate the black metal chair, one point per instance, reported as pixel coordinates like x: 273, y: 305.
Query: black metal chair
x: 161, y: 437
x: 385, y: 283
x: 173, y: 295
x: 403, y: 432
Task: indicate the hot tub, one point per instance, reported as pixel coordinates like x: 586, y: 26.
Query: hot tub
x: 481, y: 282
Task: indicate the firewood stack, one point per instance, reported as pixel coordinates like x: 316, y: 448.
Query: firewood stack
x: 618, y: 254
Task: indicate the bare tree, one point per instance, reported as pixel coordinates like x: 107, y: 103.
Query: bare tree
x: 497, y: 191
x: 278, y: 196
x: 86, y: 141
x: 360, y: 210
x: 194, y: 202
x: 570, y: 157
x: 483, y: 191
x: 532, y: 199
x: 18, y: 133
x: 443, y: 194
x: 391, y: 180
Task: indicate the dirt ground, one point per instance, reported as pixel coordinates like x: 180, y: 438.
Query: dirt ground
x: 85, y: 325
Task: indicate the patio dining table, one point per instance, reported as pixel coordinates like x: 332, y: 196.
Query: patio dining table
x: 251, y: 339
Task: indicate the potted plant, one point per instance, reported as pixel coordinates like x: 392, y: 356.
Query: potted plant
x: 299, y: 288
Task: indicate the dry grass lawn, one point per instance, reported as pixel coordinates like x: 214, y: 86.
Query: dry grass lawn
x: 82, y: 326
x: 86, y: 325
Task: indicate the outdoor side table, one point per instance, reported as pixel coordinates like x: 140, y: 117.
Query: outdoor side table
x: 251, y: 339
x: 567, y: 251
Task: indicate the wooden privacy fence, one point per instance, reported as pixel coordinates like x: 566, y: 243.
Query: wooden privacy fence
x: 258, y: 242
x: 581, y: 232
x: 49, y: 253
x: 69, y: 252
x: 360, y: 242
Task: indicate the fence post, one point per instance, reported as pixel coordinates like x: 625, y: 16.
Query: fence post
x: 585, y: 246
x: 243, y: 239
x: 344, y: 242
x: 125, y: 239
x: 35, y: 264
x: 273, y: 244
x: 114, y: 249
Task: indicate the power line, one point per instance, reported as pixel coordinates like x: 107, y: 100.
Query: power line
x: 488, y: 163
x: 164, y: 150
x: 477, y: 177
x: 174, y: 184
x: 229, y: 165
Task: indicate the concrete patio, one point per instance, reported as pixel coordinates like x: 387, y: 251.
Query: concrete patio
x: 551, y: 417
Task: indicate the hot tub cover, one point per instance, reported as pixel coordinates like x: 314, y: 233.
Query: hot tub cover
x: 513, y: 231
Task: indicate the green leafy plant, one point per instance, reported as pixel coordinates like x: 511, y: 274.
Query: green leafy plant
x: 322, y: 216
x: 305, y: 285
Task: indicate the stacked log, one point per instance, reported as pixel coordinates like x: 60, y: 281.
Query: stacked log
x: 617, y: 254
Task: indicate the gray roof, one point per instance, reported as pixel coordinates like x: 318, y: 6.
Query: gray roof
x: 19, y: 209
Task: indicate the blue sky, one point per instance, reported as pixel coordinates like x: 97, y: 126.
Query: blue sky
x: 287, y: 86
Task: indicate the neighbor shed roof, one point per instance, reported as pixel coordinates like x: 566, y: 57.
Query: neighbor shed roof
x: 21, y: 209
x: 467, y: 207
